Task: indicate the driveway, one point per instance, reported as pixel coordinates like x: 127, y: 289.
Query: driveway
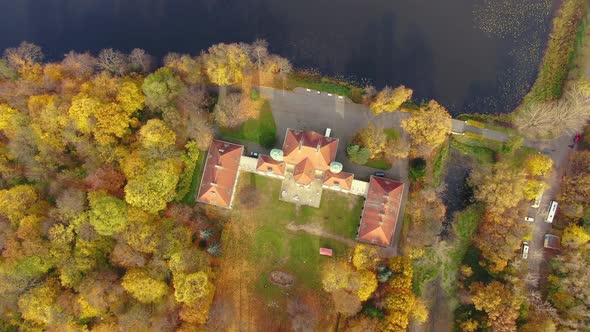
x: 558, y: 151
x: 308, y: 110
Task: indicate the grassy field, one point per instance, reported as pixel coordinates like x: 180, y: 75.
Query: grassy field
x: 262, y: 130
x: 325, y: 84
x: 486, y: 151
x: 258, y: 238
x: 198, y: 172
x: 379, y: 164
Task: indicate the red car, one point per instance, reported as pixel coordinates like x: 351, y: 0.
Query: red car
x: 577, y: 138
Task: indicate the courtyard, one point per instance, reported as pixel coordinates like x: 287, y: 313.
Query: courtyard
x: 261, y: 238
x: 310, y: 195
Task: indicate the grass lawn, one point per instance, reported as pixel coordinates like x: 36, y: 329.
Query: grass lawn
x: 262, y: 130
x: 379, y: 164
x: 335, y: 213
x: 439, y: 162
x: 325, y: 85
x: 198, y: 172
x: 258, y: 237
x: 486, y: 151
x: 391, y: 133
x: 480, y: 150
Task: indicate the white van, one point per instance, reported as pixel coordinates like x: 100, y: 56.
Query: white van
x: 552, y: 210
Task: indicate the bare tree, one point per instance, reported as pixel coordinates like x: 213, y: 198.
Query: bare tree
x: 25, y: 53
x: 140, y: 60
x: 227, y: 111
x: 259, y: 52
x: 112, y: 61
x: 567, y: 115
x: 80, y: 65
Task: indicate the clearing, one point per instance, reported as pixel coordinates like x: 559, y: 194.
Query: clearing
x: 257, y: 241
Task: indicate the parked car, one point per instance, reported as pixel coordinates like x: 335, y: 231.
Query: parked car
x: 529, y: 219
x: 525, y: 250
x: 254, y: 154
x: 380, y: 174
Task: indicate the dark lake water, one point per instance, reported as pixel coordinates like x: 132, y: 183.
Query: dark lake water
x: 471, y: 55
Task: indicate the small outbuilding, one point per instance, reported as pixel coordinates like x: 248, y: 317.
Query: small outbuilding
x: 326, y: 252
x: 551, y: 241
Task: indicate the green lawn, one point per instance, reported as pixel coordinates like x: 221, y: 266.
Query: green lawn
x: 379, y: 164
x: 198, y: 172
x: 478, y: 149
x: 391, y: 133
x: 486, y: 151
x: 262, y: 130
x: 325, y: 84
x: 270, y: 246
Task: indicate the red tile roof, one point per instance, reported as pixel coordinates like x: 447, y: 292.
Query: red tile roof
x: 304, y: 172
x: 326, y: 252
x: 220, y: 174
x: 342, y: 179
x: 381, y: 211
x: 267, y: 164
x: 301, y: 145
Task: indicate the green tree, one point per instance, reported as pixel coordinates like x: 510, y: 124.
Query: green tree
x: 192, y: 287
x: 143, y: 287
x: 225, y: 63
x: 390, y: 100
x: 357, y: 154
x: 155, y: 134
x: 161, y: 89
x: 108, y: 215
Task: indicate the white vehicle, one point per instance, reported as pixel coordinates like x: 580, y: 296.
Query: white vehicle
x: 537, y: 201
x: 328, y: 132
x: 525, y: 250
x: 529, y: 219
x: 552, y: 210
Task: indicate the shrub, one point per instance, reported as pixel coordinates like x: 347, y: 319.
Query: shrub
x: 560, y: 48
x: 358, y: 154
x: 417, y: 168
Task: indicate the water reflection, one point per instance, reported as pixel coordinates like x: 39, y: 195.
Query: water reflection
x: 432, y: 46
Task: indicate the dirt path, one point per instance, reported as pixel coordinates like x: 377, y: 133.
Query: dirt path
x: 317, y: 230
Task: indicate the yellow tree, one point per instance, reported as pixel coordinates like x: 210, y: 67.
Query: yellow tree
x: 368, y: 284
x: 225, y: 63
x: 500, y: 186
x: 108, y: 214
x: 389, y: 100
x: 538, y: 164
x: 373, y: 138
x: 143, y: 287
x: 130, y: 97
x: 574, y: 236
x: 156, y: 134
x: 10, y: 120
x: 155, y: 186
x: 38, y: 304
x: 82, y: 108
x: 16, y: 201
x: 428, y: 127
x: 532, y: 188
x: 499, y: 302
x: 365, y: 257
x: 47, y: 120
x: 400, y: 302
x: 191, y: 287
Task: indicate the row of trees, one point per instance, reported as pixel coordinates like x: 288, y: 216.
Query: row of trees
x: 571, y: 266
x: 386, y: 288
x: 96, y: 156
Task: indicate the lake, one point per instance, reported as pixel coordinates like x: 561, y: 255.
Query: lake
x: 471, y: 55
